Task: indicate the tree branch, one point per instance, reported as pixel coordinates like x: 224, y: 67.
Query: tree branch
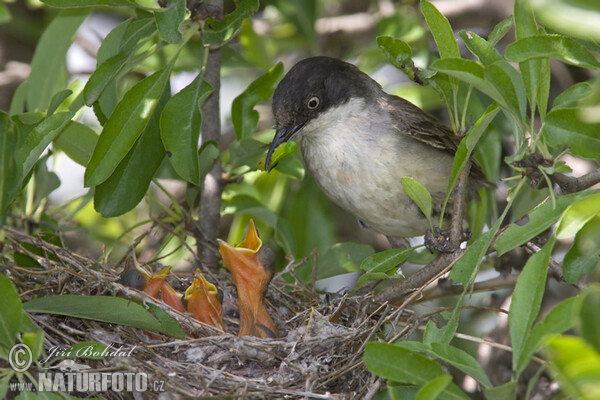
x: 568, y: 184
x: 212, y: 188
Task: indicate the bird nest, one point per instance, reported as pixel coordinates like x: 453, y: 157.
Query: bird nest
x: 319, y: 354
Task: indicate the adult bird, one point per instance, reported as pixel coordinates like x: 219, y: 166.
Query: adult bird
x: 359, y: 141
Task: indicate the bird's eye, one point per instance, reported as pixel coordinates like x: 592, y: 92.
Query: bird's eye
x: 313, y: 103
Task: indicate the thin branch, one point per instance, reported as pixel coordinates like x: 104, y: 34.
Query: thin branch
x: 212, y: 188
x: 568, y: 184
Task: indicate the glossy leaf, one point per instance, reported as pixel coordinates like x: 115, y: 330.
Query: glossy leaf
x: 571, y: 96
x: 419, y: 194
x: 124, y: 127
x: 539, y: 219
x: 209, y: 152
x: 116, y: 50
x: 583, y: 255
x: 576, y: 365
x: 469, y: 72
x: 527, y: 299
x: 369, y: 277
x: 243, y: 115
x: 384, y: 261
x: 557, y: 47
x: 169, y: 21
x: 433, y: 389
x: 10, y: 313
x: 481, y: 48
x: 577, y: 215
x: 126, y: 187
x: 559, y: 319
x: 508, y: 83
x: 180, y: 124
x: 577, y: 19
x: 400, y: 365
x: 535, y: 73
x: 507, y: 391
x: 48, y: 66
x: 441, y: 30
x: 398, y: 53
x: 500, y: 30
x: 10, y: 168
x: 220, y: 32
x: 110, y: 309
x: 461, y: 360
x: 467, y: 145
x: 77, y: 141
x: 564, y: 126
x: 589, y: 324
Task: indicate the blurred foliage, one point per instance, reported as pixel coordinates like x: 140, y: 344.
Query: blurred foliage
x: 145, y: 135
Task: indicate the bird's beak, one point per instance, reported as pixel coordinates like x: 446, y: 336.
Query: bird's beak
x: 251, y: 277
x: 154, y: 282
x: 282, y: 135
x: 203, y: 301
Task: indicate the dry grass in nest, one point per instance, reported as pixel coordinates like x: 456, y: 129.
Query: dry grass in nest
x: 318, y: 356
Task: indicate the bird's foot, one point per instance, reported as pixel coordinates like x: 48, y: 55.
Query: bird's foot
x: 440, y: 240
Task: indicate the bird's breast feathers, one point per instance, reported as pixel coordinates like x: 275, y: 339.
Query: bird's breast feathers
x: 357, y: 158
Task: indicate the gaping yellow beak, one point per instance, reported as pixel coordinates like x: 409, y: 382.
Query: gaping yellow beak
x: 251, y: 276
x: 203, y: 301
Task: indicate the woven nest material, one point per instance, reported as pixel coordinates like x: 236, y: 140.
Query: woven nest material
x: 318, y: 356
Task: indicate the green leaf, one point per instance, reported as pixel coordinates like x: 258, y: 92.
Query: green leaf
x: 467, y: 145
x: 471, y: 73
x: 398, y: 53
x: 87, y: 3
x: 385, y: 261
x: 209, y: 152
x: 243, y: 115
x: 180, y: 124
x: 527, y: 299
x: 369, y: 277
x: 116, y: 50
x: 19, y: 99
x: 10, y: 168
x: 557, y: 47
x: 34, y: 340
x: 400, y: 365
x: 508, y: 83
x: 125, y: 126
x: 589, y: 324
x: 128, y: 184
x: 578, y: 19
x: 48, y: 66
x: 564, y: 126
x: 461, y: 360
x: 220, y: 32
x: 113, y: 310
x: 506, y: 391
x: 42, y: 135
x: 582, y: 257
x: 441, y: 30
x: 500, y: 30
x: 5, y: 15
x: 419, y: 194
x: 10, y: 313
x: 535, y: 73
x: 539, y: 219
x: 481, y: 48
x: 576, y: 365
x: 77, y: 141
x: 571, y: 96
x: 58, y: 99
x: 577, y: 215
x: 432, y: 389
x: 559, y: 319
x: 169, y: 21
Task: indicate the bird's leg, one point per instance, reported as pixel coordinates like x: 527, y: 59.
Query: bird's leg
x: 441, y: 241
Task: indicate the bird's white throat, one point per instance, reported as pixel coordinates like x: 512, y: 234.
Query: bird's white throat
x: 347, y: 150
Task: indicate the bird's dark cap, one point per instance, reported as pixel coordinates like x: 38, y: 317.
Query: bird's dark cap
x: 311, y: 87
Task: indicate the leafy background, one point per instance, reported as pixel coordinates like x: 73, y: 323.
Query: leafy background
x: 138, y: 140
